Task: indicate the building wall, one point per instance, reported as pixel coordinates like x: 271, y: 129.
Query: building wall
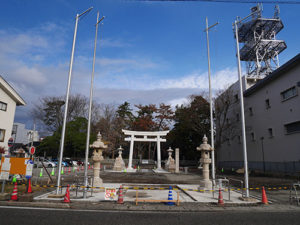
x: 280, y: 152
x: 22, y: 135
x: 7, y: 117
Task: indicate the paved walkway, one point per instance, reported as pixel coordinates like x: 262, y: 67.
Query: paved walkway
x: 187, y: 193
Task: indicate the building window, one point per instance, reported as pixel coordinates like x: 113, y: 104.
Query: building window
x: 289, y: 93
x: 236, y: 98
x: 292, y: 127
x: 270, y: 131
x: 2, y: 135
x: 14, y: 130
x: 239, y: 139
x: 252, y: 136
x: 250, y: 111
x: 268, y: 103
x: 237, y: 117
x: 3, y: 106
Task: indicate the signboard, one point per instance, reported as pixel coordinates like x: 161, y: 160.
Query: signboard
x: 32, y: 150
x: 5, y: 168
x: 144, y: 161
x: 110, y: 194
x: 10, y: 142
x: 13, y: 166
x: 29, y: 168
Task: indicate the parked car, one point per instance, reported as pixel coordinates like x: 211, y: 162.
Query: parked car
x: 80, y: 163
x: 63, y: 162
x: 46, y: 162
x: 70, y: 162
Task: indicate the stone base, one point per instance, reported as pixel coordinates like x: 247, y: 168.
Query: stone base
x: 130, y: 170
x: 205, y: 185
x: 4, y: 196
x: 26, y: 198
x: 97, y: 182
x: 118, y: 168
x: 56, y: 195
x: 160, y: 170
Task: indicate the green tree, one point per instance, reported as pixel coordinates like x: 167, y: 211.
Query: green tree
x: 75, y: 140
x: 191, y: 123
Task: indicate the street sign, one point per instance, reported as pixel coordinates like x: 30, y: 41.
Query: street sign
x: 110, y: 194
x: 29, y: 168
x: 32, y: 150
x: 10, y: 142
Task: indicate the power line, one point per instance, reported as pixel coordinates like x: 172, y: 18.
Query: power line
x: 230, y: 1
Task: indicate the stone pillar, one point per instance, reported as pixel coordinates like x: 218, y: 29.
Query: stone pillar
x: 97, y: 180
x: 98, y: 147
x: 176, y: 160
x: 158, y: 153
x: 131, y: 153
x: 205, y: 160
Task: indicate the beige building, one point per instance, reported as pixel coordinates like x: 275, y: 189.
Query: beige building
x: 9, y: 99
x: 272, y: 116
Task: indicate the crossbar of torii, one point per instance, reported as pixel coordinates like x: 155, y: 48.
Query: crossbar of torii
x: 145, y: 136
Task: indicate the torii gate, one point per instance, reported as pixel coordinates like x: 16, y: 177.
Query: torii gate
x: 147, y: 136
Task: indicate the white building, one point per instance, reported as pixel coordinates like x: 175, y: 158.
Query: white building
x: 21, y: 135
x: 9, y: 99
x: 272, y: 117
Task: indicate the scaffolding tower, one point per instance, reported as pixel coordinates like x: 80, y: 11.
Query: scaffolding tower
x: 260, y: 48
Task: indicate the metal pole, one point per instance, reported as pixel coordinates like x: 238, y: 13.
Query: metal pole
x: 90, y: 113
x: 242, y: 110
x: 62, y: 141
x: 210, y: 103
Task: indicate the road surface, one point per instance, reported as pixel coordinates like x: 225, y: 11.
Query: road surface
x: 43, y: 216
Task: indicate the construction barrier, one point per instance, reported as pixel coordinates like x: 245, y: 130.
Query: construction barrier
x: 165, y: 188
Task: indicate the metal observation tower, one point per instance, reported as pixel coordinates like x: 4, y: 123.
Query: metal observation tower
x: 260, y: 48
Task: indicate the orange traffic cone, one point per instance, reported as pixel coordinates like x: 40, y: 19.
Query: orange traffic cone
x: 77, y: 168
x: 14, y: 195
x: 220, y: 200
x: 264, y: 199
x: 67, y: 195
x: 120, y: 199
x: 29, y: 186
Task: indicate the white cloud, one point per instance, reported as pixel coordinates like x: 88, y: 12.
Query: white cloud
x: 109, y: 42
x: 178, y: 101
x: 220, y: 79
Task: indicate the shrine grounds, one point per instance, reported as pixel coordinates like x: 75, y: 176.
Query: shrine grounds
x: 278, y: 192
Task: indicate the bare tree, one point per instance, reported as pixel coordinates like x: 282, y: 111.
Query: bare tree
x: 50, y: 110
x: 226, y: 125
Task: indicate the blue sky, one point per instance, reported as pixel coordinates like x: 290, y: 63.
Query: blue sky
x: 148, y: 52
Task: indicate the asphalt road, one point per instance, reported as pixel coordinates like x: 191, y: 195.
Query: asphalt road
x: 40, y: 216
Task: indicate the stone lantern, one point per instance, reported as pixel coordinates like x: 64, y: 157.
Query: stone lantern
x: 119, y: 162
x: 205, y: 160
x: 98, y: 146
x: 170, y: 164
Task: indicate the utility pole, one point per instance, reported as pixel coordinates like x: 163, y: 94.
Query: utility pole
x: 213, y: 171
x: 90, y: 112
x: 242, y: 109
x: 62, y: 141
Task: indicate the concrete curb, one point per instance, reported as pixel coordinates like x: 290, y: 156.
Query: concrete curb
x: 36, y: 204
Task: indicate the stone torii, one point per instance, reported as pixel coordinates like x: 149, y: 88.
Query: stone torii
x: 145, y: 136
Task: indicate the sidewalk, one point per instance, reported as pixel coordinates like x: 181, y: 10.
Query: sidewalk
x: 187, y: 194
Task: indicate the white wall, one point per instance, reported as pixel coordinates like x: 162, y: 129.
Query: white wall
x: 7, y: 117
